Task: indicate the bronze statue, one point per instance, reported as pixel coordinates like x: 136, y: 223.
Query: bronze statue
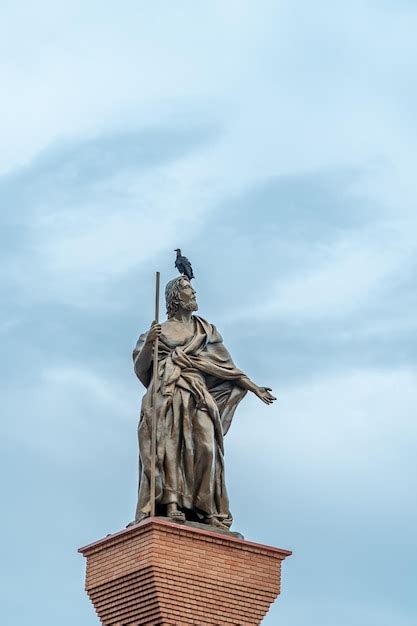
x: 198, y: 388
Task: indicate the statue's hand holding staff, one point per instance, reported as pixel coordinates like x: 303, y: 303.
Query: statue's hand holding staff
x: 154, y: 332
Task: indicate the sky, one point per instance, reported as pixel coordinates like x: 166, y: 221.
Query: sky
x: 275, y: 143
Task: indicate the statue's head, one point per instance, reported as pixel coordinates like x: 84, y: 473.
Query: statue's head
x: 179, y: 293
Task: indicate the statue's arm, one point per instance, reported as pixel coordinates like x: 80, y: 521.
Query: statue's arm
x: 142, y: 355
x: 243, y: 381
x: 262, y: 392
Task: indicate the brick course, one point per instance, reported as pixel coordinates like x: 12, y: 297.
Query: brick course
x: 160, y: 573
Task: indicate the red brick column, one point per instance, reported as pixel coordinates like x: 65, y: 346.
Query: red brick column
x: 159, y: 573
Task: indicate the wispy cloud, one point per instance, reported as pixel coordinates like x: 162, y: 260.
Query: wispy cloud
x: 95, y: 209
x: 69, y: 405
x: 351, y: 274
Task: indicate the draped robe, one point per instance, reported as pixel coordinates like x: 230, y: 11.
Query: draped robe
x: 197, y: 393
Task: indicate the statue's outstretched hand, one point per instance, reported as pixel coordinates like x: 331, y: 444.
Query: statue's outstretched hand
x: 264, y: 394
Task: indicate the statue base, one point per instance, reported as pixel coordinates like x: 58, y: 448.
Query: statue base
x: 159, y: 573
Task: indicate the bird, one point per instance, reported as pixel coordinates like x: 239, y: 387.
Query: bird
x: 183, y: 265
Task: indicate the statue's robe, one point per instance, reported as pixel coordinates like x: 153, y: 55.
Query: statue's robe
x: 197, y: 393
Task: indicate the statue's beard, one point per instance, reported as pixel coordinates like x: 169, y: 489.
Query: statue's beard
x: 190, y: 306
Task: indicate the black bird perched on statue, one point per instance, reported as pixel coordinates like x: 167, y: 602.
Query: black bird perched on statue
x: 183, y: 265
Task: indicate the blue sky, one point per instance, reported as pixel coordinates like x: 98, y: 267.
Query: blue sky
x: 275, y: 143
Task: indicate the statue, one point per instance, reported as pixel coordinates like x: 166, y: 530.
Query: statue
x: 198, y: 388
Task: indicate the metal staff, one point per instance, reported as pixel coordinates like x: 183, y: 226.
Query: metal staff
x: 154, y: 399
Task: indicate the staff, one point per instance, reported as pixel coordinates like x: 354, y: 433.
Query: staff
x: 154, y: 399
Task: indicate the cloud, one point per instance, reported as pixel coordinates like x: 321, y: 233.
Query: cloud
x: 351, y: 274
x: 349, y: 429
x: 69, y: 404
x: 77, y: 171
x: 87, y: 210
x: 326, y: 471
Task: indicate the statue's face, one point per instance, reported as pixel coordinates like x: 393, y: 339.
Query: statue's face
x: 187, y: 296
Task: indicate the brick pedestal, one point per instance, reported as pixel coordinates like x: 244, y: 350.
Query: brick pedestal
x: 159, y: 573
